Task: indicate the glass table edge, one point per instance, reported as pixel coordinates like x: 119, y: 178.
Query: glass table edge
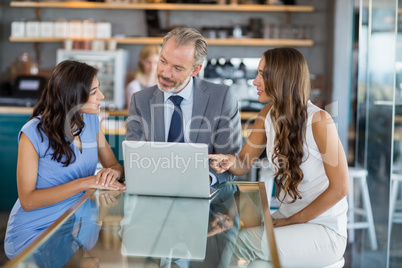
x: 50, y: 230
x: 53, y: 228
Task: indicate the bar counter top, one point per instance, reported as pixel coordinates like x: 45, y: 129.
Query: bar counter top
x: 15, y: 110
x: 28, y: 110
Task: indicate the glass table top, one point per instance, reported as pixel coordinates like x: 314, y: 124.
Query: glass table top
x: 117, y: 229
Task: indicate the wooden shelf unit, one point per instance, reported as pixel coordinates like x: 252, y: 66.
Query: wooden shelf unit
x: 212, y: 42
x: 164, y: 6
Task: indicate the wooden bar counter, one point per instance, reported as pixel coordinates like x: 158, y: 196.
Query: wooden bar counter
x: 28, y: 110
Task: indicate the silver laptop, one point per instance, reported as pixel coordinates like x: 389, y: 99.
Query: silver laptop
x: 165, y: 227
x: 167, y: 169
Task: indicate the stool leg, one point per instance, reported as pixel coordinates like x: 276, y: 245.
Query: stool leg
x: 351, y: 214
x: 394, y: 195
x: 369, y: 214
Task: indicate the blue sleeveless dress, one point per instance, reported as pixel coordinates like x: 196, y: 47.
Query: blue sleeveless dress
x: 24, y: 226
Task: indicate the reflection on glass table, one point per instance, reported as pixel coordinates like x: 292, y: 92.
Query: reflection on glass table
x: 165, y: 227
x: 117, y: 229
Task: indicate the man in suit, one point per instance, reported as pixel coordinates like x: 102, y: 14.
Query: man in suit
x: 208, y: 113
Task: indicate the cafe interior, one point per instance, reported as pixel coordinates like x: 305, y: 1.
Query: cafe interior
x: 352, y: 49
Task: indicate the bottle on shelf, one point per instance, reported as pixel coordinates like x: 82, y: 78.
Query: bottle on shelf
x: 240, y: 72
x: 237, y: 31
x: 228, y: 69
x: 210, y: 71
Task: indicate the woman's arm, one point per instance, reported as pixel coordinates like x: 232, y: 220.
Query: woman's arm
x: 250, y: 152
x: 112, y: 170
x: 336, y: 169
x: 27, y: 173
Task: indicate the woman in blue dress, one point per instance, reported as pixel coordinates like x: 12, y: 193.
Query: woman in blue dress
x: 59, y: 148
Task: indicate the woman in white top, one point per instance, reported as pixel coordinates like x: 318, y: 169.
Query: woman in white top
x: 146, y: 71
x: 308, y: 162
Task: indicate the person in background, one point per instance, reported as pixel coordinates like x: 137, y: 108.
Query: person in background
x: 308, y: 161
x: 59, y: 148
x: 184, y: 108
x: 145, y: 75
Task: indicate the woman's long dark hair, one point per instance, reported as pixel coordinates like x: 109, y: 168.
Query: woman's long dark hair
x: 58, y: 108
x: 287, y: 83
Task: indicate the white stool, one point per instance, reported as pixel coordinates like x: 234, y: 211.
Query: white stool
x: 360, y: 175
x: 395, y: 206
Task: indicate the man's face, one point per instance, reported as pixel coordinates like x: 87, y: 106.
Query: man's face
x: 176, y: 66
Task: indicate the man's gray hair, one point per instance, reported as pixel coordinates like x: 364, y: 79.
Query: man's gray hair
x: 189, y: 36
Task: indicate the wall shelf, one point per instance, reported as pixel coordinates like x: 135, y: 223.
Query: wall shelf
x: 212, y: 42
x: 164, y: 6
x: 35, y: 39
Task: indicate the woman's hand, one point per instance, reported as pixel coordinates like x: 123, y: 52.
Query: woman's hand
x: 107, y: 176
x: 220, y: 223
x: 107, y: 199
x: 221, y: 162
x: 116, y: 186
x: 282, y: 222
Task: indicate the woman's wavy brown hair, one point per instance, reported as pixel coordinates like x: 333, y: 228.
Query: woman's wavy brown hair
x: 287, y: 83
x: 58, y: 108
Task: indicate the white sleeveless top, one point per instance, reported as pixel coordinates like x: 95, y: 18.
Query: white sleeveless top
x: 314, y: 182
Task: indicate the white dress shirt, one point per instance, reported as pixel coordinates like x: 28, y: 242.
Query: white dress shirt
x: 186, y: 108
x: 187, y: 111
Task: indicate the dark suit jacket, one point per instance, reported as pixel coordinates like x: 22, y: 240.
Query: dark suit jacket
x: 215, y: 119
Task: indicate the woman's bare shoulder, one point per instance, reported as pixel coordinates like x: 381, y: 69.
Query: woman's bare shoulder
x: 265, y: 110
